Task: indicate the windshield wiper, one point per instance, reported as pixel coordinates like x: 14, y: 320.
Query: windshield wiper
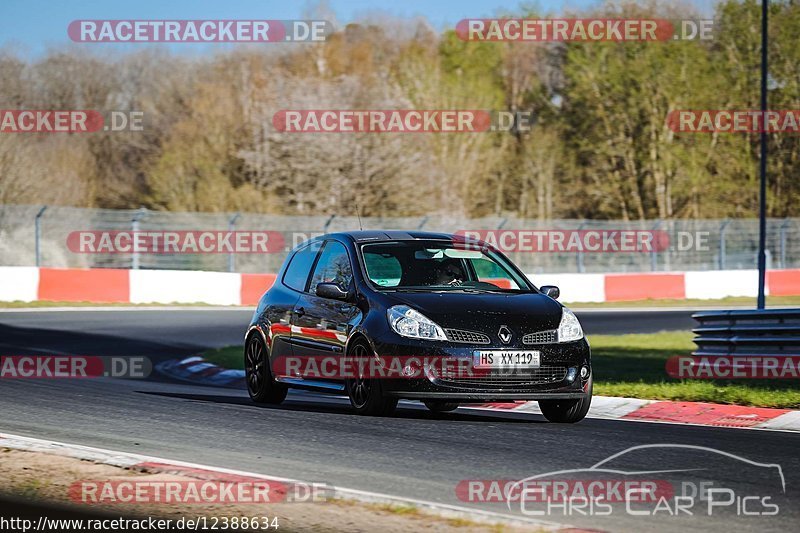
x: 445, y: 289
x: 490, y: 291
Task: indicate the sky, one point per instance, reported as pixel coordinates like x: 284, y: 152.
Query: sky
x: 31, y: 27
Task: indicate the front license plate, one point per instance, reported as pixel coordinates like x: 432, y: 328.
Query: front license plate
x: 506, y: 359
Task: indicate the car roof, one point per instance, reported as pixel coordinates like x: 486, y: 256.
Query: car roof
x: 389, y: 235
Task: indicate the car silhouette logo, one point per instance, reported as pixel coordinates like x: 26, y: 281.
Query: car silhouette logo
x: 505, y: 334
x: 609, y: 466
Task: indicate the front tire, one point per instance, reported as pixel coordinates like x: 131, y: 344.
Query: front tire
x: 366, y: 395
x: 260, y: 385
x: 567, y: 411
x: 440, y: 407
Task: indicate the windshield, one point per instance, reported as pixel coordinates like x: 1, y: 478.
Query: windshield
x: 437, y: 265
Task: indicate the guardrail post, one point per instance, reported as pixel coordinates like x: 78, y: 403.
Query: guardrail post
x: 722, y: 244
x: 37, y: 235
x: 140, y: 214
x: 231, y: 227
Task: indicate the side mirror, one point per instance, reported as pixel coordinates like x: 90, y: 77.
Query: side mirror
x: 332, y: 291
x: 551, y: 291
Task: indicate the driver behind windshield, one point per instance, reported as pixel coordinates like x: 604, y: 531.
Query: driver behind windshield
x: 449, y: 272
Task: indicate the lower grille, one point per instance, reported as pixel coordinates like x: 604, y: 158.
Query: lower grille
x: 467, y: 337
x: 503, y: 380
x: 541, y: 337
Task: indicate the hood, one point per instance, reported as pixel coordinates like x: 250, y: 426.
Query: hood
x: 523, y: 313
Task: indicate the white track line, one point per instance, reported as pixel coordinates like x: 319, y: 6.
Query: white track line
x: 129, y: 460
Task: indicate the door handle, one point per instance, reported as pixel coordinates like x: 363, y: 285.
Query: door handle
x: 300, y: 311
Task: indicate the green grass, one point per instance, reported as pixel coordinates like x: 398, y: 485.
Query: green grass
x: 227, y: 357
x: 634, y: 366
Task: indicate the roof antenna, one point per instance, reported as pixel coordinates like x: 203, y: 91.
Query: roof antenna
x: 359, y: 218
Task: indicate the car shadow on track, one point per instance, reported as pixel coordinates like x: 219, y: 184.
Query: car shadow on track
x: 335, y: 405
x: 16, y: 340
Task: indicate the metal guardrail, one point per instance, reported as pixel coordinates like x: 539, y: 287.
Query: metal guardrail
x: 747, y: 332
x: 31, y: 235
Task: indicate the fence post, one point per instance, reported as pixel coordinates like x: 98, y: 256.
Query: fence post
x: 231, y: 227
x: 722, y: 244
x: 37, y: 235
x: 579, y: 256
x: 140, y: 214
x: 653, y: 256
x: 784, y: 227
x: 327, y: 224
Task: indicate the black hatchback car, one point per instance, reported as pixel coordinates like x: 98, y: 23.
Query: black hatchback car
x: 346, y: 307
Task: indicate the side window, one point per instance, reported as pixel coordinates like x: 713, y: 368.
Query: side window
x: 333, y: 267
x: 490, y: 272
x: 300, y: 266
x: 383, y: 269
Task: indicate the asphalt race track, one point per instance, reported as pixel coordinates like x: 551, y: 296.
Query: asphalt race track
x: 170, y: 333
x: 311, y: 437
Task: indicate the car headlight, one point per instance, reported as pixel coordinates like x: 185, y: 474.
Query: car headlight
x: 569, y: 329
x: 410, y: 323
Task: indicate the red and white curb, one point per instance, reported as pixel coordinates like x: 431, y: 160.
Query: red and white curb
x: 197, y: 370
x: 145, y: 463
x: 200, y: 372
x: 692, y: 413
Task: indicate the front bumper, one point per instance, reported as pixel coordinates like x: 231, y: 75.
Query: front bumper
x: 550, y: 381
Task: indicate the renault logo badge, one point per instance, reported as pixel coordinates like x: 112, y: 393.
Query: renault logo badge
x: 504, y: 334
